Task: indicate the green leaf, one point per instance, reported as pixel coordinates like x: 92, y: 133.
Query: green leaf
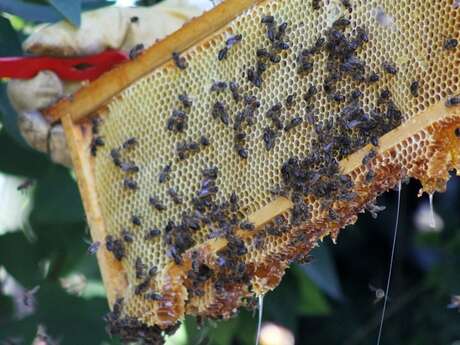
x: 296, y: 296
x: 57, y: 199
x: 71, y: 319
x: 20, y: 258
x: 196, y: 335
x: 71, y: 10
x: 87, y: 265
x: 246, y: 330
x: 9, y: 118
x: 29, y: 11
x: 323, y: 273
x: 312, y: 301
x: 7, y: 308
x: 63, y: 245
x: 280, y: 309
x: 17, y: 160
x: 147, y: 2
x: 24, y: 329
x: 72, y: 322
x: 94, y: 289
x: 223, y: 333
x: 10, y: 45
x: 41, y: 12
x: 95, y: 4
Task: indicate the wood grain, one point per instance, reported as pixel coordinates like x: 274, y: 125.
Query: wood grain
x: 111, y: 269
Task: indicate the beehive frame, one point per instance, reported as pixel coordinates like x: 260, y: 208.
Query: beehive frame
x: 88, y: 100
x: 433, y: 129
x: 440, y: 120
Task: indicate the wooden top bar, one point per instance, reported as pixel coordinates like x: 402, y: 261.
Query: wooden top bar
x: 90, y: 98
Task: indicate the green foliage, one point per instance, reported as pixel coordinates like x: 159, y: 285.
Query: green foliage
x: 57, y: 247
x: 58, y: 182
x: 10, y: 40
x: 50, y: 10
x: 72, y: 319
x: 10, y: 46
x: 323, y: 273
x: 68, y: 9
x: 20, y: 258
x: 8, y: 118
x: 146, y: 2
x: 20, y: 160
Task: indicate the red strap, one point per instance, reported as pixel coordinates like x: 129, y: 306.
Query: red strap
x: 81, y: 68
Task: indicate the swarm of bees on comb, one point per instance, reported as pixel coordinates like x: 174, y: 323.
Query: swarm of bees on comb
x: 220, y: 168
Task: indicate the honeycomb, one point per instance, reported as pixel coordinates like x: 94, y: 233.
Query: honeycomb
x: 408, y: 35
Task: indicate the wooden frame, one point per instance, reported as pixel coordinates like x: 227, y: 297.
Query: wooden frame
x: 100, y: 91
x: 112, y: 271
x: 93, y: 97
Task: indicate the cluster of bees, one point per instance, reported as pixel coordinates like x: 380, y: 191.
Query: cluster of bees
x: 131, y: 330
x: 315, y: 175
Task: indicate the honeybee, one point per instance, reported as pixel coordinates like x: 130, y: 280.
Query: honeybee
x: 414, y: 88
x: 450, y: 44
x: 136, y: 220
x: 379, y: 293
x: 25, y: 185
x: 164, y: 173
x: 179, y: 61
x: 454, y: 302
x: 127, y: 236
x: 390, y: 68
x: 453, y: 101
x: 136, y: 51
x: 93, y: 247
x: 174, y: 195
x: 130, y: 184
x: 185, y: 100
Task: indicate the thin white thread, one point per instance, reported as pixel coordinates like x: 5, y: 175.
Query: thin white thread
x: 261, y: 309
x: 391, y: 265
x: 432, y: 219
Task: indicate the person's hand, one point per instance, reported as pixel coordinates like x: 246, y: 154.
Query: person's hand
x: 106, y: 28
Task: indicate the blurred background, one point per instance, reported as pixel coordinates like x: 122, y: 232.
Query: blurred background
x: 51, y: 290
